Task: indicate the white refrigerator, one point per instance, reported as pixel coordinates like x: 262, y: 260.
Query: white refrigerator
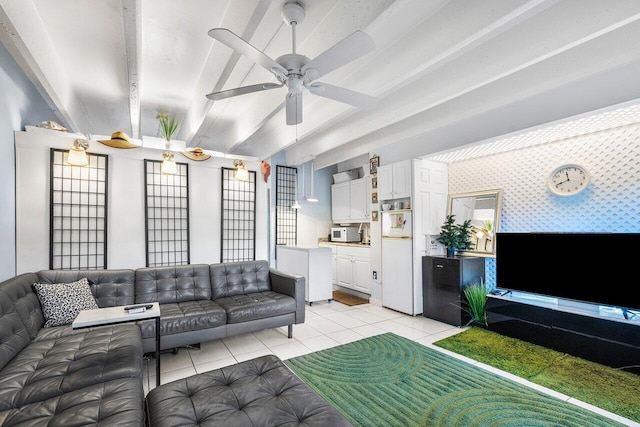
x: 397, y: 261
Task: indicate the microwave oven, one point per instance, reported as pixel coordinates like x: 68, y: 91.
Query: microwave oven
x: 345, y: 234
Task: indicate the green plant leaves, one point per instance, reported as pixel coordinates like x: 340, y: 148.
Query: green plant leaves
x: 456, y: 236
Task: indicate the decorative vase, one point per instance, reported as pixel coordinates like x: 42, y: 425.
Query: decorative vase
x: 451, y: 252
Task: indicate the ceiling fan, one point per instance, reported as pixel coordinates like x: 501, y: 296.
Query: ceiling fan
x: 297, y: 71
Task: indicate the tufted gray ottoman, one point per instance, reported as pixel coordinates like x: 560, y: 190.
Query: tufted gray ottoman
x: 258, y: 392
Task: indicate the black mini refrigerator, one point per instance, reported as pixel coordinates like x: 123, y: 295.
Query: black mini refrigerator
x: 443, y: 281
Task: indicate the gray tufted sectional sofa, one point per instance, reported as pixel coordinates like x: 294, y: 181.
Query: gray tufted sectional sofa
x: 93, y: 376
x: 199, y: 302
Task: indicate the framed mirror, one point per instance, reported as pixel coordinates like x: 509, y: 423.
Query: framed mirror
x: 483, y: 209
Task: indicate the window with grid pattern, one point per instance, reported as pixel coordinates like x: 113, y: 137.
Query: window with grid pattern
x: 78, y: 213
x: 286, y: 216
x: 238, y: 234
x: 166, y: 215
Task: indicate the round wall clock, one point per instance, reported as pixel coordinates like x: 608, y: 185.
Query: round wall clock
x: 567, y: 180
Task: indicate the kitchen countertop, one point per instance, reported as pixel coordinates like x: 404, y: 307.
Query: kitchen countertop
x: 303, y: 248
x: 356, y: 244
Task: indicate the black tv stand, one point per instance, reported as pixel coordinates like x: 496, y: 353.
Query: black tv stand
x: 608, y: 341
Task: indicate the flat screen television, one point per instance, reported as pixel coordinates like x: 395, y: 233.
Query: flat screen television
x: 600, y: 268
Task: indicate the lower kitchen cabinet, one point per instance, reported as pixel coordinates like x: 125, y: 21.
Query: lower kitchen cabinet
x: 352, y: 264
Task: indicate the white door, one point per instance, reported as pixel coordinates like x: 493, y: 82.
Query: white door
x: 430, y: 184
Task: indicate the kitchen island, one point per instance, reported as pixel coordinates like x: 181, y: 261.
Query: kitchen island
x: 314, y: 263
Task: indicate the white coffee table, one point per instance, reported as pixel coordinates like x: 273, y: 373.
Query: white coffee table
x: 113, y: 315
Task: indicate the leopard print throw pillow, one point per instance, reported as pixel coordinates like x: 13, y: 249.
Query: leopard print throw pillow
x: 61, y: 302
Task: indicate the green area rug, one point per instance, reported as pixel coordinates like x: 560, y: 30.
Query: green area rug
x: 613, y: 390
x: 388, y: 380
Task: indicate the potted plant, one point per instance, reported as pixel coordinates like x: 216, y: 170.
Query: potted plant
x: 475, y: 303
x: 455, y: 236
x: 169, y: 125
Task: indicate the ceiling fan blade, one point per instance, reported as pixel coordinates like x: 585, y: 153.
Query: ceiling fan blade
x: 350, y: 48
x: 347, y: 96
x: 216, y: 96
x: 294, y: 108
x: 240, y: 45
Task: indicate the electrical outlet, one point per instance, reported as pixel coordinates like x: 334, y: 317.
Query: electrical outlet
x: 375, y: 275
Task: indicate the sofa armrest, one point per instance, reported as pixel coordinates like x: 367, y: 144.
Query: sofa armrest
x: 292, y: 285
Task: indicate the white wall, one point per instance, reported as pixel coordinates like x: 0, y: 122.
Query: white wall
x: 126, y: 231
x: 314, y: 219
x: 609, y: 204
x: 20, y: 105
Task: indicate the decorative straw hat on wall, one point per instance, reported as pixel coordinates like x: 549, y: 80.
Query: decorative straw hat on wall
x: 196, y: 154
x: 119, y: 139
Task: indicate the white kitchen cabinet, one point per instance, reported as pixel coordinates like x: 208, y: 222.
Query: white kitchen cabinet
x: 340, y: 202
x: 312, y: 263
x: 350, y: 201
x: 361, y: 271
x: 359, y: 199
x: 394, y: 180
x: 353, y: 265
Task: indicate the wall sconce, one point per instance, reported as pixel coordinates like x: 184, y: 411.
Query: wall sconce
x: 78, y: 153
x: 241, y: 174
x: 168, y: 164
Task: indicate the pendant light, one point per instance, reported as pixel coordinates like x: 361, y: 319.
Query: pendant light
x: 312, y: 198
x: 295, y: 204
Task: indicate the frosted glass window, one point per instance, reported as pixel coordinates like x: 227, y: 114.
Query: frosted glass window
x: 167, y: 215
x: 238, y: 217
x: 78, y: 213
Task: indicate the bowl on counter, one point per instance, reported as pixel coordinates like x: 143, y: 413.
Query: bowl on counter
x: 386, y: 206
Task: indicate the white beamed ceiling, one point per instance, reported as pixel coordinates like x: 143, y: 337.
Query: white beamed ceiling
x: 448, y: 73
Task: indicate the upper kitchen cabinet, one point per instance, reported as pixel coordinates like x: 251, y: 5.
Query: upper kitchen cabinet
x: 349, y: 201
x: 394, y: 180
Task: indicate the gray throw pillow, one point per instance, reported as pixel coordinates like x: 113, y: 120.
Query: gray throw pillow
x: 61, y: 302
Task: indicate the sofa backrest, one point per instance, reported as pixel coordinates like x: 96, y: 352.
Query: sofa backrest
x: 20, y: 315
x: 173, y: 284
x: 237, y: 278
x: 109, y: 287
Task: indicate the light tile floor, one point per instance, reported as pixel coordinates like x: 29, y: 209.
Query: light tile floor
x: 327, y: 324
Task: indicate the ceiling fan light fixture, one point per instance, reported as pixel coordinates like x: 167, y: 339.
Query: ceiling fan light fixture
x: 298, y: 71
x: 293, y: 12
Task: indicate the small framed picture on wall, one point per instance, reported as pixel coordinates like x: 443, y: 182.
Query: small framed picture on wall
x: 374, y: 197
x: 373, y: 165
x: 374, y: 215
x: 374, y: 182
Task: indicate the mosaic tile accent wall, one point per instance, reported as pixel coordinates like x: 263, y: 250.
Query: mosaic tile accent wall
x: 611, y: 202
